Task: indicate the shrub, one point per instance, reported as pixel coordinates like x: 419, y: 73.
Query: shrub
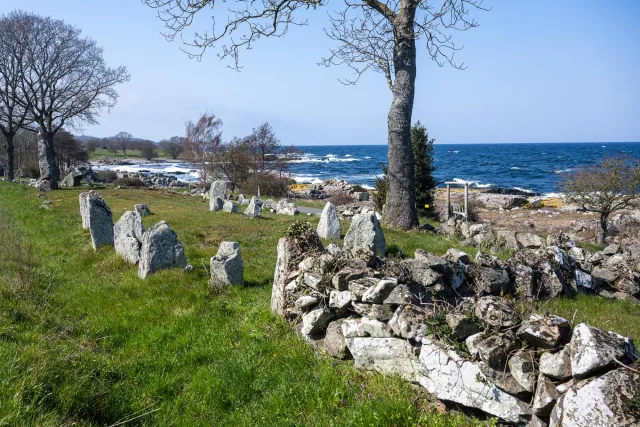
x: 105, y: 176
x: 130, y: 182
x: 31, y: 172
x: 270, y: 185
x: 341, y: 199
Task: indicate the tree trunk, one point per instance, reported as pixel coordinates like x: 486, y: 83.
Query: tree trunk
x: 601, y: 230
x: 49, y: 170
x: 400, y: 211
x: 10, y: 157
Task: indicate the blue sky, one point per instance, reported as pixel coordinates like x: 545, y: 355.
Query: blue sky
x: 544, y: 71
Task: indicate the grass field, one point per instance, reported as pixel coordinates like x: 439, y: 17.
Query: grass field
x: 100, y: 153
x: 83, y: 341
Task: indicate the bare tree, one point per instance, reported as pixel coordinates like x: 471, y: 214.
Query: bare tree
x: 201, y: 142
x: 13, y: 113
x: 65, y: 82
x: 233, y: 161
x: 123, y: 140
x: 285, y: 157
x: 611, y: 185
x: 372, y: 35
x: 174, y: 146
x: 265, y: 145
x: 148, y: 150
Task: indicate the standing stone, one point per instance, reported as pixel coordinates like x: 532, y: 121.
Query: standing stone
x: 218, y: 189
x: 143, y: 209
x: 230, y: 207
x: 329, y: 225
x: 72, y: 180
x: 83, y: 207
x: 227, y: 266
x: 284, y: 207
x: 160, y: 249
x: 127, y: 236
x: 215, y: 204
x: 254, y: 210
x: 365, y: 238
x: 100, y: 221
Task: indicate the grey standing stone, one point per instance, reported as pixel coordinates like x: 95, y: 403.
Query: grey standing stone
x: 227, y: 266
x: 365, y: 238
x: 329, y: 225
x: 160, y: 249
x: 230, y: 207
x: 215, y: 204
x: 218, y: 188
x: 83, y: 207
x: 100, y: 221
x: 127, y: 236
x: 254, y: 210
x: 72, y: 180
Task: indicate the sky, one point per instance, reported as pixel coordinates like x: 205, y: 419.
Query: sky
x: 544, y: 71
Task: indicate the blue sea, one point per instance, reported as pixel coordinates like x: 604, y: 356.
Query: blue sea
x: 530, y: 167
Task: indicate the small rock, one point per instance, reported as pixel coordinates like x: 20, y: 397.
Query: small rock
x: 227, y: 266
x: 545, y: 397
x: 316, y: 320
x: 307, y: 302
x: 522, y: 367
x: 378, y: 293
x: 497, y: 312
x: 556, y: 365
x: 334, y: 341
x: 315, y: 281
x: 409, y: 322
x: 461, y: 325
x: 494, y: 350
x: 545, y: 332
x: 375, y: 328
x: 339, y: 300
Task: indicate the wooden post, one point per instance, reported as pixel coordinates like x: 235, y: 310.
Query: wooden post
x: 448, y: 201
x: 466, y: 201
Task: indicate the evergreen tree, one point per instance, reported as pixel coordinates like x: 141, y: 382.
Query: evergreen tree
x: 425, y: 183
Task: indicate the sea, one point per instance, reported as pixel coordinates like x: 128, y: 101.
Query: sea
x: 534, y: 167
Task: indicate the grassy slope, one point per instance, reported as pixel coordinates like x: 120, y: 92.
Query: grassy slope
x: 102, y: 153
x: 83, y: 340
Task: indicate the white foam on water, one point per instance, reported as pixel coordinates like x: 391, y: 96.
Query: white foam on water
x: 515, y: 168
x: 475, y: 184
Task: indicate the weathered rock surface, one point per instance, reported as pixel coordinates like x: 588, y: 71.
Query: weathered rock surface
x: 365, y: 239
x: 378, y: 293
x: 522, y: 367
x: 545, y: 332
x: 593, y: 349
x: 73, y: 179
x: 127, y: 236
x: 334, y: 341
x: 142, y: 209
x: 284, y: 207
x: 100, y: 221
x: 227, y: 267
x: 462, y: 326
x: 84, y: 207
x: 253, y: 210
x: 556, y: 365
x: 494, y: 350
x: 545, y: 397
x: 230, y: 207
x: 160, y: 249
x: 216, y: 204
x: 389, y: 356
x: 449, y: 377
x: 603, y: 401
x: 409, y: 322
x: 316, y: 320
x: 489, y: 280
x: 529, y: 240
x: 329, y: 225
x: 219, y: 189
x: 496, y: 312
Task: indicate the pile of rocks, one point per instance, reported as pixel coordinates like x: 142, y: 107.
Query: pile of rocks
x: 404, y: 318
x: 154, y: 249
x: 553, y: 266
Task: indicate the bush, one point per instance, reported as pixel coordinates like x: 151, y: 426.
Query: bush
x: 105, y: 176
x: 270, y: 185
x: 30, y: 172
x: 341, y: 199
x: 130, y: 182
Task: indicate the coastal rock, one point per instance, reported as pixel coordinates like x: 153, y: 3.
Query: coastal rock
x: 593, y: 350
x: 329, y: 225
x: 230, y: 207
x: 500, y: 201
x: 603, y: 401
x: 160, y: 249
x: 100, y: 221
x: 496, y: 312
x: 449, y: 377
x: 254, y: 210
x: 227, y: 266
x: 127, y: 236
x: 389, y: 356
x: 365, y: 239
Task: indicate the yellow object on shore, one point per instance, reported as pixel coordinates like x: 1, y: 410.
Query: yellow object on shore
x: 298, y: 187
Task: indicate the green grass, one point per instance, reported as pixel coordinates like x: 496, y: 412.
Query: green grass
x: 83, y: 341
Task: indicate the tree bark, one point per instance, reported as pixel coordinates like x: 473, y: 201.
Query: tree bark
x: 49, y: 170
x: 400, y: 210
x: 10, y: 157
x: 601, y: 231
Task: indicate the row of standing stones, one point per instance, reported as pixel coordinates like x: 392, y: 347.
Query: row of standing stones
x: 153, y: 249
x: 442, y: 323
